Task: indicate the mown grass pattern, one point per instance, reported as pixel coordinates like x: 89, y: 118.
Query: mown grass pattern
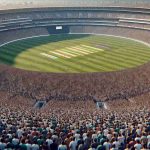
x: 118, y: 54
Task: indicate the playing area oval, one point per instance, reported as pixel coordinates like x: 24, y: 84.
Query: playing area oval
x: 75, y: 53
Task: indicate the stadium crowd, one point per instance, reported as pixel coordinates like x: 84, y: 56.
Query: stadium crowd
x: 74, y: 125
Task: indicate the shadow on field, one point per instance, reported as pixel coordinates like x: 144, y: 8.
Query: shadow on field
x: 10, y: 51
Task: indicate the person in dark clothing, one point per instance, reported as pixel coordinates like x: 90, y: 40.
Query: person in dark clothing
x: 54, y: 145
x: 94, y: 144
x: 45, y: 146
x: 81, y: 146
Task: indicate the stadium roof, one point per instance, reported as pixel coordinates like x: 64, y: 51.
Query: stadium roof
x: 14, y: 4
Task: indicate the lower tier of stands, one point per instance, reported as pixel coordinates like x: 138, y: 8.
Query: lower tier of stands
x: 143, y: 35
x: 74, y: 125
x: 135, y: 33
x: 22, y: 33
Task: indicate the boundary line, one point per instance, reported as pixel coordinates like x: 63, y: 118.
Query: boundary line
x: 122, y: 37
x: 136, y: 40
x: 30, y: 37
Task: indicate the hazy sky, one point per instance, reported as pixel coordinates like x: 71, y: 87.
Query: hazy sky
x: 23, y: 1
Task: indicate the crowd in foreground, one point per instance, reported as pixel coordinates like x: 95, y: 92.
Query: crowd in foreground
x: 74, y: 125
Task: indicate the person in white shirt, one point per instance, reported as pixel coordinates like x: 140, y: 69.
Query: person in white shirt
x: 15, y: 142
x: 107, y: 145
x: 19, y: 132
x: 28, y: 145
x: 73, y: 144
x: 138, y: 145
x: 94, y: 136
x: 148, y: 141
x: 62, y: 146
x: 148, y: 138
x: 116, y: 143
x: 55, y: 136
x: 77, y: 136
x: 106, y: 132
x: 2, y: 145
x: 121, y: 139
x: 35, y: 146
x: 84, y: 135
x: 138, y: 131
x: 138, y: 138
x: 49, y: 141
x: 148, y: 145
x: 109, y: 136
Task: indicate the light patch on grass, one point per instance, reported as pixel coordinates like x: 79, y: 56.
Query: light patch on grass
x: 50, y: 56
x: 98, y: 49
x: 66, y: 53
x: 75, y: 51
x: 85, y: 49
x: 59, y: 54
x: 79, y: 50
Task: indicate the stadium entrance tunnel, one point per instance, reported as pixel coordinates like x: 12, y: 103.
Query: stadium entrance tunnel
x: 39, y: 104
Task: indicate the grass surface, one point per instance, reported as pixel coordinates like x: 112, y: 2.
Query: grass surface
x: 75, y: 53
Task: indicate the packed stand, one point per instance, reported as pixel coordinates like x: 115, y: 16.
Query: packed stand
x: 73, y: 125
